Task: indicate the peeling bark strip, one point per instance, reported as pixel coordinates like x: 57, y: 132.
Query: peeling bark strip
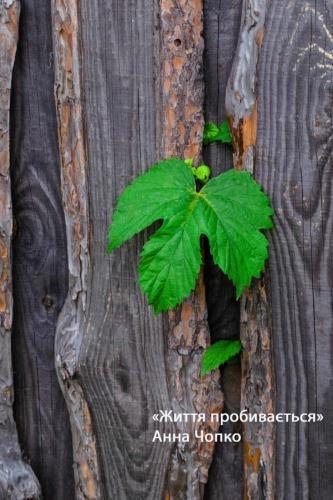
x: 182, y: 129
x: 241, y: 101
x: 257, y: 391
x: 16, y: 478
x: 73, y: 178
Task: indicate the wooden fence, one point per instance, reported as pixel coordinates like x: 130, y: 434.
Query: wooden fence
x: 91, y: 94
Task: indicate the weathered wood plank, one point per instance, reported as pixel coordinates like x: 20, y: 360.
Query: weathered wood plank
x: 16, y: 478
x: 294, y: 165
x: 121, y: 365
x: 257, y: 392
x: 221, y: 29
x: 40, y: 276
x: 290, y: 309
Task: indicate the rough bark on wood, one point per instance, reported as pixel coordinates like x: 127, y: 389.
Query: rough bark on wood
x: 16, y: 478
x: 257, y: 394
x: 40, y: 276
x: 221, y: 29
x: 74, y: 190
x: 182, y: 129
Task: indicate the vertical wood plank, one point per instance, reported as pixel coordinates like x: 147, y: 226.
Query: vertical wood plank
x: 294, y: 165
x: 16, y: 478
x: 287, y: 117
x: 40, y: 276
x: 121, y: 365
x: 182, y: 129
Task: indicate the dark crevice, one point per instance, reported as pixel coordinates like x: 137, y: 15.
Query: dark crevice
x: 221, y: 27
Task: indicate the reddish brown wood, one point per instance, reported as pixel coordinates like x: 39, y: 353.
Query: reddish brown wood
x: 182, y: 129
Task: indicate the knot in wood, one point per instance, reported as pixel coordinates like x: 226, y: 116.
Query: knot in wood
x: 48, y: 302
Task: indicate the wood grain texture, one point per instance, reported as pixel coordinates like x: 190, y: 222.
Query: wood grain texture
x: 75, y: 200
x: 257, y: 391
x: 294, y: 165
x: 123, y: 356
x: 40, y: 276
x: 182, y: 128
x: 121, y: 363
x: 290, y: 310
x: 221, y: 29
x: 16, y: 478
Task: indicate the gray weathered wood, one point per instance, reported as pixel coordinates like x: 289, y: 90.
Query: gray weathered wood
x: 221, y: 30
x: 121, y: 366
x: 294, y: 165
x: 16, y: 478
x: 289, y: 310
x: 40, y: 276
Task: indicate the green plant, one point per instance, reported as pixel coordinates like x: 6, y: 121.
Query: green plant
x: 218, y: 354
x: 213, y: 133
x: 230, y: 209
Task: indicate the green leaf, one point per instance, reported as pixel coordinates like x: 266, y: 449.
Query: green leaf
x: 189, y: 162
x: 224, y: 133
x: 234, y: 210
x: 218, y: 354
x: 202, y: 173
x: 164, y: 190
x: 213, y: 133
x: 231, y: 210
x: 171, y: 259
